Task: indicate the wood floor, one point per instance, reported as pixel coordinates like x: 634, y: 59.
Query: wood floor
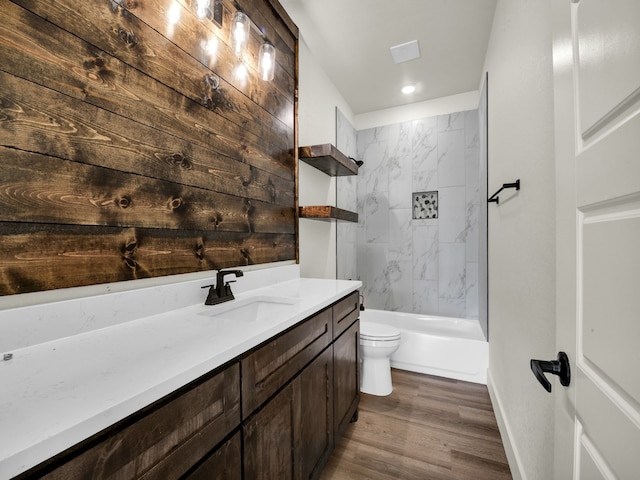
x: 428, y: 428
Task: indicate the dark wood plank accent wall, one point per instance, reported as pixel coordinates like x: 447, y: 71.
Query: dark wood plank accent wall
x: 131, y: 148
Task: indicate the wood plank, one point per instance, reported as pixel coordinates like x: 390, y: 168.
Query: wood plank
x: 142, y: 47
x: 415, y: 433
x: 286, y: 19
x: 328, y: 159
x: 78, y: 133
x: 106, y: 82
x: 192, y: 36
x: 35, y: 257
x: 41, y: 189
x: 122, y: 158
x: 466, y: 465
x: 327, y: 212
x: 276, y: 31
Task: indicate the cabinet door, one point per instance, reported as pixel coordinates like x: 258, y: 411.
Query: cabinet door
x: 271, y: 437
x: 224, y: 464
x: 346, y: 393
x: 267, y: 369
x: 316, y: 427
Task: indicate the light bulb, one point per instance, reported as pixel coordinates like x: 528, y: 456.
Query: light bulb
x: 408, y: 89
x: 211, y: 46
x: 203, y: 9
x: 241, y: 74
x: 209, y: 51
x: 240, y: 32
x: 173, y: 14
x: 267, y: 59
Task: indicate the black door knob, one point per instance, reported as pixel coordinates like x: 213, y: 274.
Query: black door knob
x: 558, y: 367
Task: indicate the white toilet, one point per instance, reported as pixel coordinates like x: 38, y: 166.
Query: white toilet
x: 377, y: 343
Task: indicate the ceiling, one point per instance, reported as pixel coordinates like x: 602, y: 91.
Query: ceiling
x: 351, y: 40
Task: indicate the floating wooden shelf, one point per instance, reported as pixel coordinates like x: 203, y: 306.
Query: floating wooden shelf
x: 327, y: 212
x: 328, y: 159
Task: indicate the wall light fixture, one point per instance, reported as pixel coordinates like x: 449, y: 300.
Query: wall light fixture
x: 240, y: 32
x: 203, y: 9
x: 267, y: 61
x: 208, y: 10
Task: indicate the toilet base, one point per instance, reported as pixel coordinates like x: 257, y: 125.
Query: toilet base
x: 376, y: 377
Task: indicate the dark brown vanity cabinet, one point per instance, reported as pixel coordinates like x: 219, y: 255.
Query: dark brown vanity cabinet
x: 162, y: 441
x: 293, y: 434
x: 346, y: 392
x: 274, y: 413
x: 316, y: 419
x: 346, y: 362
x: 291, y: 437
x: 267, y: 369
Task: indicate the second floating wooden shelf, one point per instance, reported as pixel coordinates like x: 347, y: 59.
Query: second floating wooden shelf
x: 326, y: 212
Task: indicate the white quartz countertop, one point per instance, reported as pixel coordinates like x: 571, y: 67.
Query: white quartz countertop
x: 57, y: 393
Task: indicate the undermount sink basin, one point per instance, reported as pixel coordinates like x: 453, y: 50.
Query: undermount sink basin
x: 251, y: 309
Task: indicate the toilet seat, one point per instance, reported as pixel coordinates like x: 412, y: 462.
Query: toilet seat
x: 378, y: 332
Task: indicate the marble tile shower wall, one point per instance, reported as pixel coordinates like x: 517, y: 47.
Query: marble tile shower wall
x: 427, y: 266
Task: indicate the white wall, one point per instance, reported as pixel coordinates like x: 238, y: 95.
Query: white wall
x: 521, y: 231
x: 417, y: 111
x: 318, y: 98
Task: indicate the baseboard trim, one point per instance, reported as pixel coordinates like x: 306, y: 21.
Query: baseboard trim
x: 515, y: 463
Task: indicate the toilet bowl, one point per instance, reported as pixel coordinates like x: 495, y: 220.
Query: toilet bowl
x: 377, y: 343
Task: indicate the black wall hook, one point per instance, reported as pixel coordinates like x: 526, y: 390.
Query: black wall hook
x: 496, y: 198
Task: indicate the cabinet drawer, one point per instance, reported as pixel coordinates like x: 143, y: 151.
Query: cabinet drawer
x: 345, y: 312
x: 271, y: 366
x: 166, y: 441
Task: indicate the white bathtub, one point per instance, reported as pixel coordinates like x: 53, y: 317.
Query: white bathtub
x: 443, y: 346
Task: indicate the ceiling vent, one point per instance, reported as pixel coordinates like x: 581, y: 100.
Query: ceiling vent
x: 405, y: 52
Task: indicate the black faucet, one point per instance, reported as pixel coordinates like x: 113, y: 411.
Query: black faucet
x: 221, y: 291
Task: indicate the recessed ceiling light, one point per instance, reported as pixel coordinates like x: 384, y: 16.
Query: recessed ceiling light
x: 408, y: 89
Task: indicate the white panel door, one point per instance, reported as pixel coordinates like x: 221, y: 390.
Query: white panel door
x: 596, y: 51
